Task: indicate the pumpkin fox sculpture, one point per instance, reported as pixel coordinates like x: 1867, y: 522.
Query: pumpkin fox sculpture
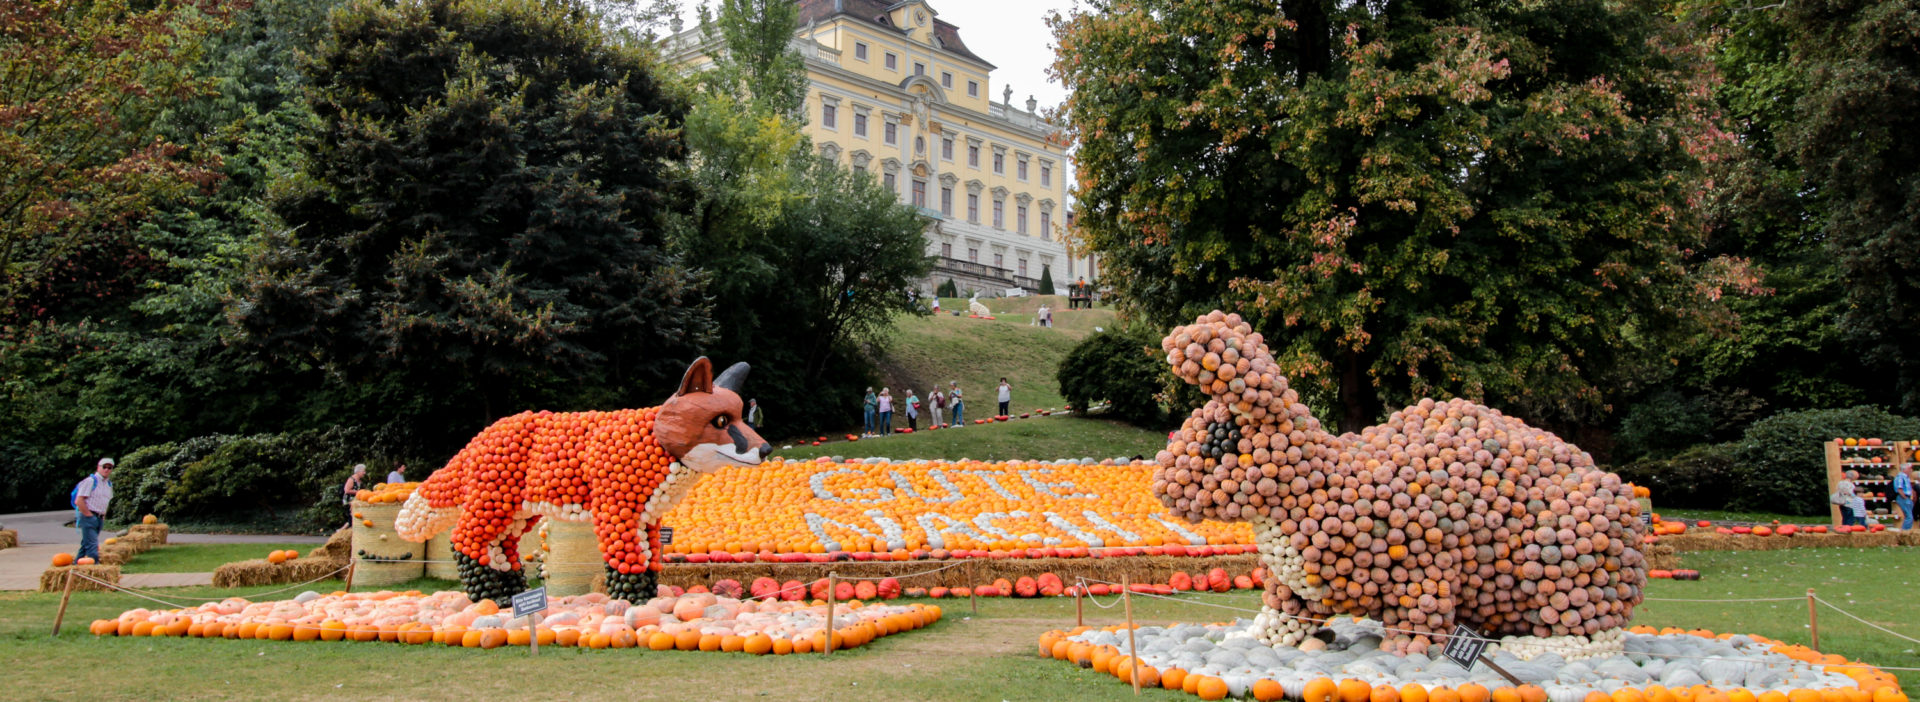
x: 621, y: 470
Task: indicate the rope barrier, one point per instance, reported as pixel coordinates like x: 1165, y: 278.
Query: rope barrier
x: 1857, y: 618
x: 1383, y: 627
x: 257, y: 594
x: 116, y: 586
x: 1747, y: 599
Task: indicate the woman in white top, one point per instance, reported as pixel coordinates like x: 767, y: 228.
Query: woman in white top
x: 886, y: 411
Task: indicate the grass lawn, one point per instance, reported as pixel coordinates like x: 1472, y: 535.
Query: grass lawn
x: 1038, y: 439
x: 986, y: 657
x: 201, y: 558
x: 924, y: 351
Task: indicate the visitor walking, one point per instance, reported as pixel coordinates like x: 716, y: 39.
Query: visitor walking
x: 91, y: 498
x: 398, y: 475
x: 1006, y: 396
x: 869, y: 407
x: 1903, y: 495
x: 754, y: 418
x: 886, y: 411
x: 913, y: 410
x: 959, y: 404
x: 936, y: 402
x: 351, y: 488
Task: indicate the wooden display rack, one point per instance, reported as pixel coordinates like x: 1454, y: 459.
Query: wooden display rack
x: 1875, y: 478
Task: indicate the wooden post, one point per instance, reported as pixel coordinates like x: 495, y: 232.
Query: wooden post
x: 1133, y: 651
x: 830, y: 629
x: 65, y: 594
x: 1813, y: 620
x: 973, y: 579
x: 1079, y: 605
x: 351, y: 565
x: 533, y: 634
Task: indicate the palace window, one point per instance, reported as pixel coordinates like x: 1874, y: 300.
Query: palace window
x: 973, y: 255
x: 893, y: 133
x: 973, y: 88
x: 1020, y: 169
x: 999, y: 260
x: 946, y: 250
x: 859, y: 124
x: 860, y: 51
x: 973, y: 208
x: 1046, y: 175
x: 946, y: 80
x: 1020, y: 218
x: 919, y: 193
x: 1046, y: 225
x: 946, y: 148
x: 893, y: 61
x: 919, y: 69
x: 828, y: 113
x: 999, y: 214
x: 999, y: 163
x: 973, y: 155
x: 888, y: 179
x: 946, y: 201
x: 1023, y: 266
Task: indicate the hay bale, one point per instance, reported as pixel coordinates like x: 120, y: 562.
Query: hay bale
x: 1909, y: 538
x: 116, y: 554
x: 382, y: 557
x: 440, y: 562
x: 55, y: 579
x: 259, y: 571
x: 1141, y: 569
x: 1662, y: 557
x: 573, y: 558
x: 338, y: 550
x: 9, y: 538
x: 156, y: 534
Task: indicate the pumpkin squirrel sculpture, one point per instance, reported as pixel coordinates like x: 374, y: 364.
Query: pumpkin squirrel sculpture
x: 1450, y: 513
x: 622, y: 470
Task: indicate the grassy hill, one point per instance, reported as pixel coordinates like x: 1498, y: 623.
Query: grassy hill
x: 1039, y: 439
x: 978, y: 352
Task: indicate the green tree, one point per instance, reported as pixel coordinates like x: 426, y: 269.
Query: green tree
x: 84, y: 84
x: 809, y: 262
x: 1046, y: 279
x: 1123, y: 367
x: 1853, y: 135
x: 481, y: 224
x: 1477, y: 199
x: 750, y: 42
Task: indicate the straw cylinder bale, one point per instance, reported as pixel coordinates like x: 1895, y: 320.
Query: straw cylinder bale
x: 55, y: 579
x: 383, y: 557
x: 573, y: 558
x: 440, y: 562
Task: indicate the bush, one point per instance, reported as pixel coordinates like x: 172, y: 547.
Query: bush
x: 1696, y: 478
x: 947, y: 289
x: 1780, y: 463
x: 1120, y: 367
x: 243, y: 479
x: 1662, y: 423
x: 1046, y: 279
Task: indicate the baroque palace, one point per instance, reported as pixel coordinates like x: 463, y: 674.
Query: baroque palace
x: 894, y: 92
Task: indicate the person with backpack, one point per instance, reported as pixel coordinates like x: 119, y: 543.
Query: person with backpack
x: 91, y: 498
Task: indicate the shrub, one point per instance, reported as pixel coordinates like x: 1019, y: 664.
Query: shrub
x: 1046, y: 279
x: 1662, y: 423
x: 1780, y: 462
x: 1696, y: 478
x: 947, y: 289
x: 242, y: 479
x: 1121, y: 367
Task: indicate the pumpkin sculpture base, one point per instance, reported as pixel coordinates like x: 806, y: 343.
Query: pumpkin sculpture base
x: 633, y: 587
x: 484, y: 582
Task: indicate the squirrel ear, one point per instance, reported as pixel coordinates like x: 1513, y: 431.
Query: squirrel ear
x: 699, y: 378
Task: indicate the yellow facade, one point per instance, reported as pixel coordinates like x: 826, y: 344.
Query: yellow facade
x: 895, y: 93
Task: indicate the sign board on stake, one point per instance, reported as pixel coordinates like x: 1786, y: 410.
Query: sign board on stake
x: 666, y: 536
x: 1464, y: 647
x: 530, y: 602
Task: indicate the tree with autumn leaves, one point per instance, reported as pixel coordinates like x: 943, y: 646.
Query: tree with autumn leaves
x: 1488, y: 200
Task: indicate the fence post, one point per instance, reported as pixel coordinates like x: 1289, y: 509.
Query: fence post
x: 351, y: 565
x: 830, y: 630
x: 1133, y: 650
x: 65, y: 594
x: 1813, y: 620
x: 1079, y: 604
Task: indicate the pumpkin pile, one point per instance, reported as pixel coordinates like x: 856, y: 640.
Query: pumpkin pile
x: 387, y: 493
x: 693, y: 622
x: 1212, y: 672
x: 795, y: 511
x: 1450, y: 512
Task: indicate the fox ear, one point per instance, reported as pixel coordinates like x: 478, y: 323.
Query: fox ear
x: 699, y: 378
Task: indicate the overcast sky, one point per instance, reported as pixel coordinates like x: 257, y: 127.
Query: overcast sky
x: 1011, y: 34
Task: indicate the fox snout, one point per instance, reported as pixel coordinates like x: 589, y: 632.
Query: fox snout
x: 746, y: 440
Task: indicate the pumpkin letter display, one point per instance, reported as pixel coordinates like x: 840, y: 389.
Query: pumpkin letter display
x: 1449, y: 513
x: 621, y: 470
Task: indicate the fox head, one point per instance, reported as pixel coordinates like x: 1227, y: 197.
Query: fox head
x: 701, y: 424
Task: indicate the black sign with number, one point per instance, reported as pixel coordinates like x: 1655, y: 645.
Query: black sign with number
x: 530, y: 602
x: 666, y: 536
x: 1464, y: 646
x: 1646, y: 519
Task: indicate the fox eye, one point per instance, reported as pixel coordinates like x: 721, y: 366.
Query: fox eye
x: 720, y: 422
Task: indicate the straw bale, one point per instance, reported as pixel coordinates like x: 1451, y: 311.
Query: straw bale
x: 154, y: 533
x: 1141, y: 569
x: 574, y: 558
x: 55, y: 579
x: 1909, y: 538
x: 1662, y: 557
x: 440, y: 563
x: 338, y: 549
x: 116, y: 554
x: 9, y: 538
x: 384, y: 558
x: 259, y: 571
